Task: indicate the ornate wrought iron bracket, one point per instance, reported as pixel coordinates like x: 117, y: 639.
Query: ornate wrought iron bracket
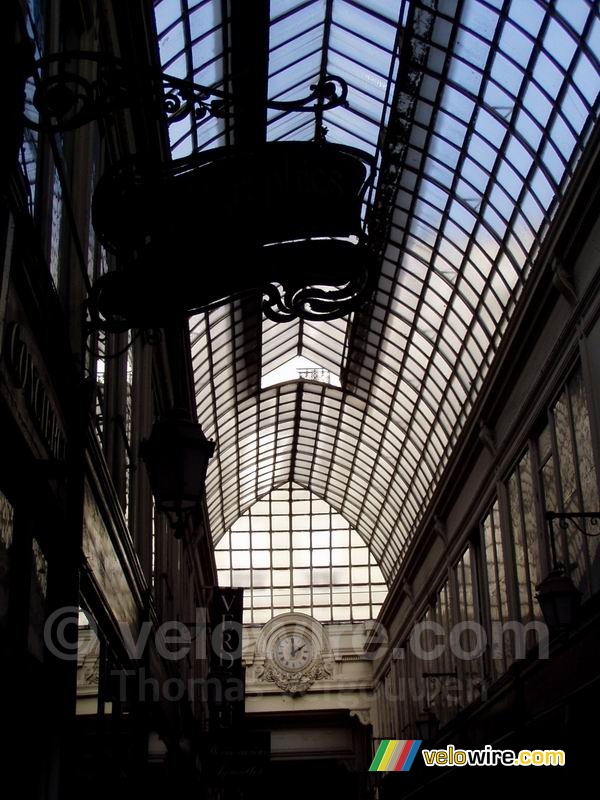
x: 565, y: 520
x: 283, y: 218
x: 77, y: 87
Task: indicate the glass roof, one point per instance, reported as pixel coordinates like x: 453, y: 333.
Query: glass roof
x: 293, y: 552
x: 477, y: 113
x: 324, y: 344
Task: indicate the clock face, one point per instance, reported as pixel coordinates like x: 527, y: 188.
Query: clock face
x: 293, y: 651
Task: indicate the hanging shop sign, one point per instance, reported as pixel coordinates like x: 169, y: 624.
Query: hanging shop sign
x: 284, y: 219
x: 226, y: 699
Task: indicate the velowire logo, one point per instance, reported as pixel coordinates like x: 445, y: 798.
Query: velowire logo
x: 395, y: 755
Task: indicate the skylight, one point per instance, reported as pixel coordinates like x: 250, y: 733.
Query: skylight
x: 321, y: 345
x: 300, y: 368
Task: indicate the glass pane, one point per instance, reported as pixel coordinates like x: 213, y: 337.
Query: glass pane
x: 324, y: 542
x: 525, y: 539
x: 497, y: 590
x: 578, y: 483
x: 587, y: 474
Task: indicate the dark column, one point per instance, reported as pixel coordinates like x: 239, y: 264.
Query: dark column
x: 249, y: 69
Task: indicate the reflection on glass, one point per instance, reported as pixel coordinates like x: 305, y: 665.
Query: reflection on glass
x: 577, y: 484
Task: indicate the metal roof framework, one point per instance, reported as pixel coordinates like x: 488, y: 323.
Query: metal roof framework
x: 477, y: 113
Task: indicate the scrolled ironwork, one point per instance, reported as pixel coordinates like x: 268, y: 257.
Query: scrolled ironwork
x: 68, y: 96
x: 64, y: 102
x: 76, y: 87
x: 565, y: 520
x: 183, y: 99
x: 280, y: 303
x: 330, y: 92
x: 315, y: 303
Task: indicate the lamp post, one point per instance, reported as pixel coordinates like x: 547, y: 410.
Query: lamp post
x: 176, y: 456
x: 557, y: 595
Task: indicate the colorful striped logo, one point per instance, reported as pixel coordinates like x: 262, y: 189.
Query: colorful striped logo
x: 395, y: 755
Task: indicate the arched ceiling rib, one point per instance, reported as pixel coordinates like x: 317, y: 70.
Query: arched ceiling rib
x: 475, y: 164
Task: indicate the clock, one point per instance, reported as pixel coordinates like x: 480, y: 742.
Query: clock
x: 293, y: 651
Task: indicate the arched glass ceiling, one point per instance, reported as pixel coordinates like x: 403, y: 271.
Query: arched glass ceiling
x: 495, y: 104
x: 292, y: 552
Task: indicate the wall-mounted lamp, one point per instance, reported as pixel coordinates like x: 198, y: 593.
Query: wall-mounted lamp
x: 176, y: 456
x: 428, y: 723
x: 557, y: 595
